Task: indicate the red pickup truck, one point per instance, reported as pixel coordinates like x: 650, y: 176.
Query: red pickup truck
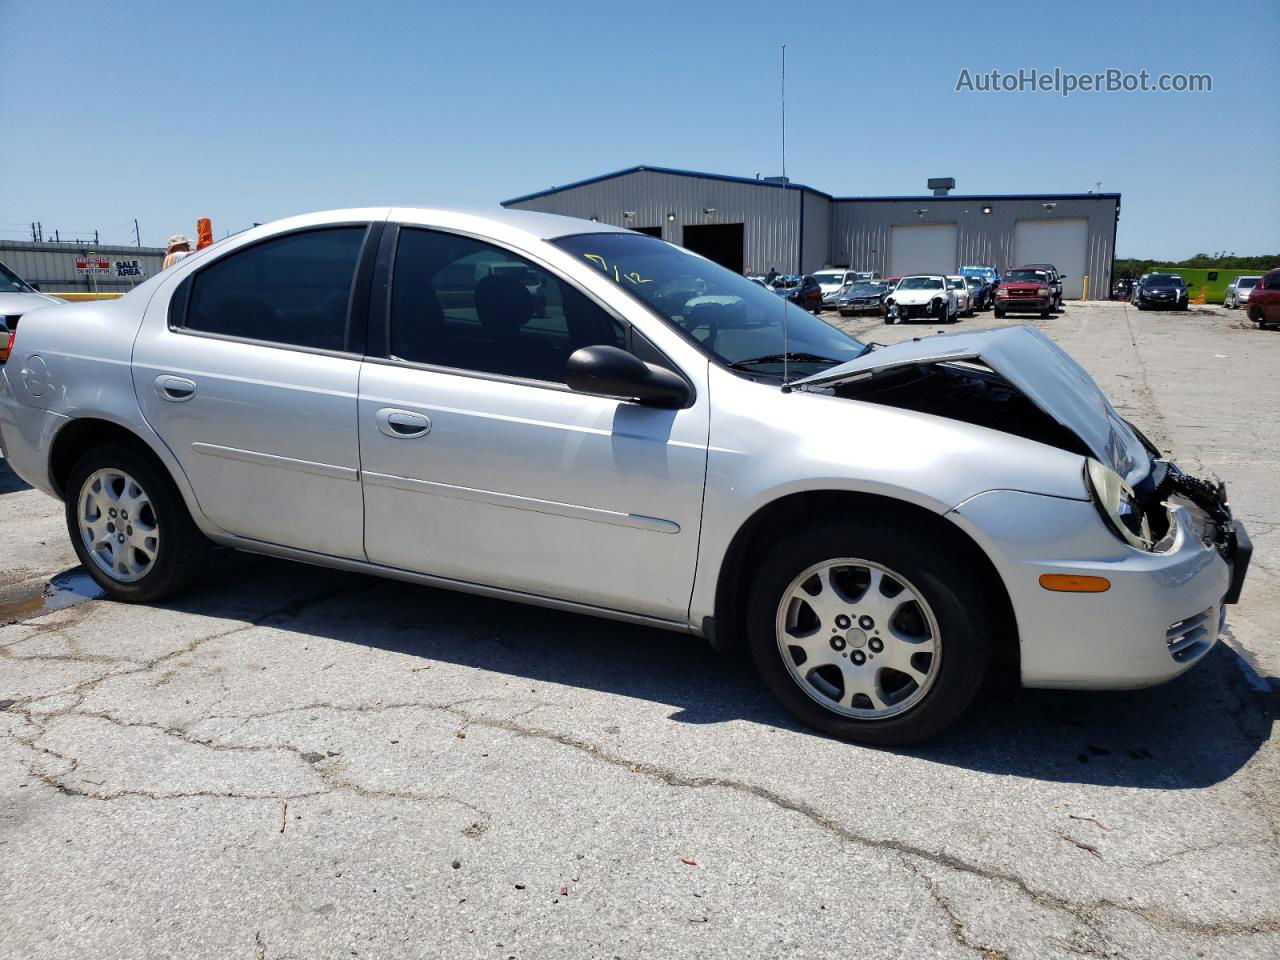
x: 1024, y: 290
x: 1264, y: 299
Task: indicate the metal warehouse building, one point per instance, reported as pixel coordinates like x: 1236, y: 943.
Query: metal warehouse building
x: 65, y: 267
x: 752, y: 225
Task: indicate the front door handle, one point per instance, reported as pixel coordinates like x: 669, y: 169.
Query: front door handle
x: 175, y: 389
x: 402, y: 424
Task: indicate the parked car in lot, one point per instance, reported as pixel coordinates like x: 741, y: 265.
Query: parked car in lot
x: 802, y: 291
x: 964, y: 297
x: 1137, y: 285
x: 865, y: 296
x: 1055, y: 281
x: 1025, y: 290
x: 1162, y: 291
x: 831, y: 282
x: 979, y: 291
x: 989, y: 275
x: 17, y: 297
x: 1264, y: 299
x: 925, y: 296
x: 670, y: 446
x: 1238, y: 291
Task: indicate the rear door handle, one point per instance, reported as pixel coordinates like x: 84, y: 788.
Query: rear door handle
x: 175, y: 389
x: 402, y: 424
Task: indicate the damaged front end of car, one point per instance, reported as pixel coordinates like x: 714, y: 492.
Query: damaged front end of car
x: 1017, y: 381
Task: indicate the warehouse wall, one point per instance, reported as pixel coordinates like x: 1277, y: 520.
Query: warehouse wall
x: 771, y: 214
x: 861, y: 229
x: 53, y: 265
x: 816, y: 252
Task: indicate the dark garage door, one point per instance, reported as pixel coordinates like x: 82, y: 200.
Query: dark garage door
x: 721, y: 242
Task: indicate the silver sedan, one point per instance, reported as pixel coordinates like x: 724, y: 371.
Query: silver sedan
x: 652, y: 439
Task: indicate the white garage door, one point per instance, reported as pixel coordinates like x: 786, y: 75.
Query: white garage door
x: 1064, y: 243
x: 923, y: 248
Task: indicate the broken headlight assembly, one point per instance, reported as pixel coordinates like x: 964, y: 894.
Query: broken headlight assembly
x: 1118, y: 505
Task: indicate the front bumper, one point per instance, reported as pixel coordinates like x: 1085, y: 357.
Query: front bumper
x: 1172, y: 303
x: 1162, y: 613
x: 916, y: 311
x: 1024, y: 304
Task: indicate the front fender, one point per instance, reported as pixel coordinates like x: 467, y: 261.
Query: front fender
x: 766, y: 445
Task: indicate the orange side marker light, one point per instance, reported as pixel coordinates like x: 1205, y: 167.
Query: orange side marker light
x: 1072, y: 583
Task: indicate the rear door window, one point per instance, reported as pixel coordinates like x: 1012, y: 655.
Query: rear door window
x: 293, y: 290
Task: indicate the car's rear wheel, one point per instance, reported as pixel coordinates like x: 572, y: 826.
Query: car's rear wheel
x: 870, y: 631
x: 130, y: 527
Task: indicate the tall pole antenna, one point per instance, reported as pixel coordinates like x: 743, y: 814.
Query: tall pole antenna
x: 784, y: 110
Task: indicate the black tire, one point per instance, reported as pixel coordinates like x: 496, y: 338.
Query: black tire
x: 1044, y: 314
x: 998, y: 312
x: 182, y: 550
x: 943, y: 575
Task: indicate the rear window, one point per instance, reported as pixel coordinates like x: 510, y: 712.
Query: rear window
x: 293, y: 290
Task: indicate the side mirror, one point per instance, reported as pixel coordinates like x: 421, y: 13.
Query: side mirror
x: 612, y: 372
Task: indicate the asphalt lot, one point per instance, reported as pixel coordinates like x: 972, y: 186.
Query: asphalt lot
x: 292, y: 762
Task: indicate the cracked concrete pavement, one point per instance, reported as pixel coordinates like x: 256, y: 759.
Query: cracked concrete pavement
x: 293, y: 762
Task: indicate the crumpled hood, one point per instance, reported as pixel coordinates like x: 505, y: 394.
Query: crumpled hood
x: 909, y: 297
x: 1044, y: 372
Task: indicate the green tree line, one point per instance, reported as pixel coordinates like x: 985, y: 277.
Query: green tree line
x: 1130, y: 267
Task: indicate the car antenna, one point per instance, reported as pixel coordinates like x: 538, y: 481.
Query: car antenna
x: 783, y: 101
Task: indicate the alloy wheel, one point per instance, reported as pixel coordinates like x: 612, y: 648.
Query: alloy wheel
x: 118, y: 525
x: 859, y: 638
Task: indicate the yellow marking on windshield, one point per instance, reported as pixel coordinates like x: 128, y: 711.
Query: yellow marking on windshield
x: 618, y: 275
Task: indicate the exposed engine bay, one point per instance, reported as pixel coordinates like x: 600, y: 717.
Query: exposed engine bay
x: 971, y: 392
x: 965, y: 391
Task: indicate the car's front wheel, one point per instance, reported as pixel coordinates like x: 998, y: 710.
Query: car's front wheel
x: 130, y: 527
x: 869, y: 631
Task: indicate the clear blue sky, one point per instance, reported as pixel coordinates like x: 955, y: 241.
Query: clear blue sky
x: 250, y: 111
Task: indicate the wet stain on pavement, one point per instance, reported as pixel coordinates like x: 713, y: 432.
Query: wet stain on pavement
x: 25, y: 601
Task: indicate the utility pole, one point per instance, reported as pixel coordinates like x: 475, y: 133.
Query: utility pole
x: 137, y: 234
x: 39, y: 230
x: 784, y: 112
x: 33, y: 231
x: 95, y: 238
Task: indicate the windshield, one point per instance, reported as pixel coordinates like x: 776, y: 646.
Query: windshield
x: 1027, y: 276
x: 1164, y: 280
x: 973, y: 281
x: 955, y: 283
x: 921, y: 283
x: 732, y: 318
x: 829, y: 279
x: 10, y: 282
x: 1244, y: 283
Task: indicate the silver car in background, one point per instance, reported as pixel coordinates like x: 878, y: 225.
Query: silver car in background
x: 1238, y: 290
x: 669, y: 444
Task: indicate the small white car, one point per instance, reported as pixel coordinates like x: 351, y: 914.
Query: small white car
x: 831, y: 282
x: 670, y: 445
x: 964, y: 296
x: 1238, y: 291
x: 927, y: 296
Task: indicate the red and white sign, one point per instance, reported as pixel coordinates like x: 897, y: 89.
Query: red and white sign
x: 93, y: 265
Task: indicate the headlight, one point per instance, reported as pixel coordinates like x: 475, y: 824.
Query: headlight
x: 1042, y: 291
x: 1116, y: 502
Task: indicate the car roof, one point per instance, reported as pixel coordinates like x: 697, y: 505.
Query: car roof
x: 485, y: 220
